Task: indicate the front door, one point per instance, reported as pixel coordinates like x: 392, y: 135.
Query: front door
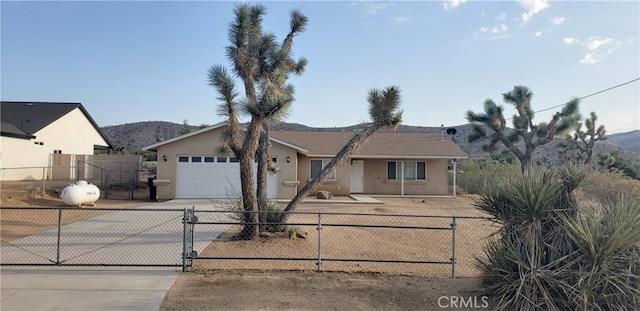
x: 357, y: 176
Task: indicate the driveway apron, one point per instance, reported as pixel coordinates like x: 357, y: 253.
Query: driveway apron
x: 117, y: 238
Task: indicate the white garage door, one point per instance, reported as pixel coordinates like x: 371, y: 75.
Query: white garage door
x: 214, y: 177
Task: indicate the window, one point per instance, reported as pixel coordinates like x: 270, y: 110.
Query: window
x: 233, y: 160
x: 412, y: 170
x: 221, y: 159
x: 318, y: 165
x: 196, y: 159
x: 208, y: 159
x: 183, y: 159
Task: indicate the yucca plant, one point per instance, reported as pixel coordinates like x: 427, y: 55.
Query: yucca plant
x: 604, y: 270
x: 550, y: 256
x: 524, y: 255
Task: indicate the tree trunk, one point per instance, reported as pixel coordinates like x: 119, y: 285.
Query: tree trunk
x: 352, y: 146
x: 249, y: 200
x: 263, y: 160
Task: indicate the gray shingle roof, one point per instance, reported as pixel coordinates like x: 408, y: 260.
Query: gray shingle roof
x: 10, y: 130
x: 380, y: 144
x: 30, y: 117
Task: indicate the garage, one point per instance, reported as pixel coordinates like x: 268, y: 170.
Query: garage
x: 214, y: 177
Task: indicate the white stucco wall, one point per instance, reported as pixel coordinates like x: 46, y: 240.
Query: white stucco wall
x: 16, y: 154
x: 72, y: 134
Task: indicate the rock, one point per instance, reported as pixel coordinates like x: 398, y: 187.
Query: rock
x: 324, y: 195
x: 301, y: 233
x: 266, y: 234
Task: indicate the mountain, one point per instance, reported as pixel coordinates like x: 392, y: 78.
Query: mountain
x: 627, y: 140
x: 133, y: 137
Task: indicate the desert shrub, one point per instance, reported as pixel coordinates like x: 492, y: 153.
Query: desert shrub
x: 603, y: 273
x: 545, y: 258
x: 234, y: 203
x: 612, y: 160
x: 602, y: 185
x: 477, y: 175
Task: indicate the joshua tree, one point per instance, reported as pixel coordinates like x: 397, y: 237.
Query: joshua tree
x: 263, y: 65
x: 276, y: 85
x: 579, y: 146
x: 534, y: 135
x: 384, y: 113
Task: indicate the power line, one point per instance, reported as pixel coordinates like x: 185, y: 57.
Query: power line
x: 592, y: 94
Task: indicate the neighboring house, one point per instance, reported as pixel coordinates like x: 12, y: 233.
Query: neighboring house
x: 390, y: 163
x: 35, y: 135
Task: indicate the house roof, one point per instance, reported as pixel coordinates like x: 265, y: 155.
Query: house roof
x: 10, y: 130
x: 30, y: 117
x: 379, y: 145
x: 154, y: 147
x: 382, y: 144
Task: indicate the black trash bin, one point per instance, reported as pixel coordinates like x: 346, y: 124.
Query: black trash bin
x: 153, y: 194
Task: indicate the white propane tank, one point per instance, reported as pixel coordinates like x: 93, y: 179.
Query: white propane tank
x: 80, y: 193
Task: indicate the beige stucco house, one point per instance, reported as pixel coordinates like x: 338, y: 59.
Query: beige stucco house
x: 33, y: 132
x: 409, y: 164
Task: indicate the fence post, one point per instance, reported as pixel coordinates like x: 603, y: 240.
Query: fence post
x: 58, y: 242
x: 43, y: 178
x: 106, y: 186
x: 319, y: 263
x: 184, y: 240
x: 131, y: 185
x: 466, y: 184
x: 453, y: 247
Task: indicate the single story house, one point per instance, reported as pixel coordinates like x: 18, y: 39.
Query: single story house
x: 390, y: 163
x: 34, y: 135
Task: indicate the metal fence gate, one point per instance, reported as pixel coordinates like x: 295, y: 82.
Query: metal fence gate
x: 64, y: 236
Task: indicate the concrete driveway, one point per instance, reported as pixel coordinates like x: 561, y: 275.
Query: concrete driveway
x: 120, y: 237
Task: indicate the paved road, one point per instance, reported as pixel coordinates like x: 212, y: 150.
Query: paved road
x: 121, y: 237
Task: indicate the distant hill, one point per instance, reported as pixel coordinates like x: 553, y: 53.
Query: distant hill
x: 626, y: 140
x: 134, y: 136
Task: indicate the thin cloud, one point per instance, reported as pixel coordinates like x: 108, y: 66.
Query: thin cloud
x: 374, y: 8
x: 533, y: 7
x: 589, y: 59
x: 595, y: 48
x: 559, y: 20
x: 501, y: 16
x: 500, y: 37
x: 452, y: 4
x: 595, y: 42
x: 401, y: 20
x: 539, y: 34
x: 495, y: 29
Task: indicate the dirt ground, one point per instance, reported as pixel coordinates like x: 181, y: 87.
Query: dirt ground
x: 293, y: 285
x: 304, y: 290
x: 18, y: 223
x: 261, y: 286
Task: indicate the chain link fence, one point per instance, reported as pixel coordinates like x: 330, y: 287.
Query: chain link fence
x: 478, y: 183
x: 127, y: 183
x: 91, y: 236
x: 439, y: 246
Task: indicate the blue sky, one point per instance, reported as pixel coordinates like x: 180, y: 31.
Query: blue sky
x: 147, y: 60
